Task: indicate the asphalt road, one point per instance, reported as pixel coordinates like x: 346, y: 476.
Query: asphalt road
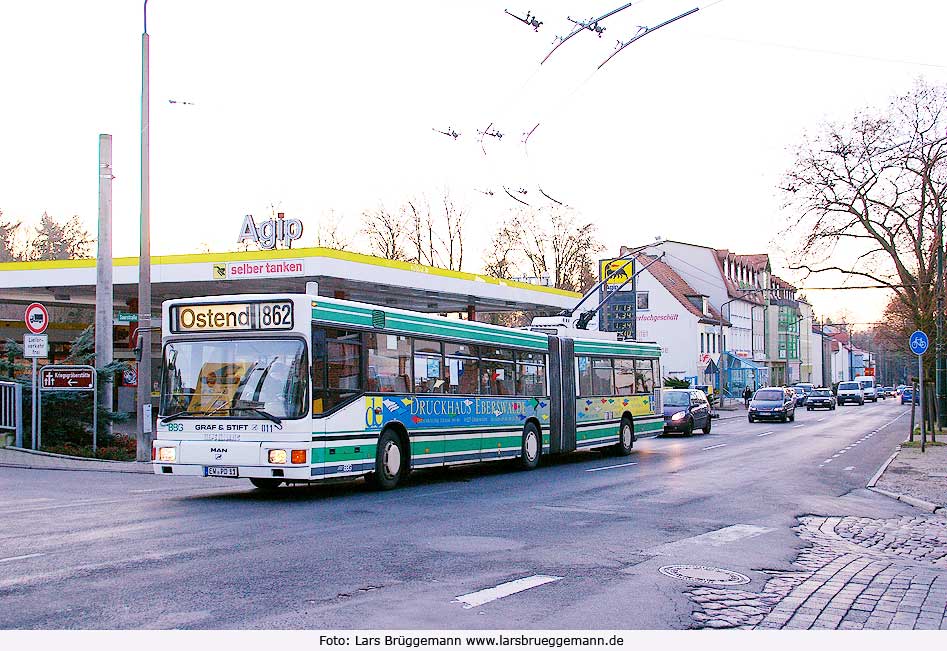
x: 587, y: 533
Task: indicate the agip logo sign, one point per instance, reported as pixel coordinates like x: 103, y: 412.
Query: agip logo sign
x: 271, y: 232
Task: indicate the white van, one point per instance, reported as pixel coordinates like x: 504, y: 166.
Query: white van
x: 850, y: 392
x: 867, y: 383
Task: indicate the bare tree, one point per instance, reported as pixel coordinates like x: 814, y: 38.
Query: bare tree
x: 59, y: 241
x: 436, y: 236
x: 867, y: 197
x: 330, y: 233
x: 546, y: 242
x: 10, y: 250
x: 386, y: 232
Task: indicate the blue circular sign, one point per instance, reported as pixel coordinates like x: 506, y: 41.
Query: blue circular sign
x: 919, y: 342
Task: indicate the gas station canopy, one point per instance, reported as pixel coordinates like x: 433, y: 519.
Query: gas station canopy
x: 339, y: 273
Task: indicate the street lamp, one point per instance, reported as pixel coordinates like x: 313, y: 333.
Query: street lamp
x: 144, y: 434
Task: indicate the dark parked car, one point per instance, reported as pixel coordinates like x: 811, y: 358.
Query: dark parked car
x: 907, y: 395
x: 821, y: 398
x: 776, y: 403
x: 686, y: 410
x: 803, y: 389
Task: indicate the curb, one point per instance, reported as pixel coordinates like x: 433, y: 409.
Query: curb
x: 907, y: 499
x: 61, y: 456
x: 62, y: 468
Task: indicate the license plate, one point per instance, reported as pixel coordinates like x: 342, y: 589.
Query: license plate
x: 221, y: 471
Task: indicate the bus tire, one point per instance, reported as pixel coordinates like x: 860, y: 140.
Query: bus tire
x: 626, y: 437
x: 266, y: 484
x: 390, y: 461
x: 531, y: 448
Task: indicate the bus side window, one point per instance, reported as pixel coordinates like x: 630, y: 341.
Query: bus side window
x: 603, y: 380
x: 389, y: 362
x: 585, y: 375
x: 644, y: 376
x: 624, y: 376
x: 336, y: 367
x: 429, y: 376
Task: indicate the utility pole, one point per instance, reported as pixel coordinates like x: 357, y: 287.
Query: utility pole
x: 103, y: 267
x: 144, y: 432
x: 939, y: 379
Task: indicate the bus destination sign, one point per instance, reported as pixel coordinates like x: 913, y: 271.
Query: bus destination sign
x: 232, y: 317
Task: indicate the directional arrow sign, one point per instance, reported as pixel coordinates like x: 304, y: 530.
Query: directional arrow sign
x: 67, y: 378
x: 919, y: 342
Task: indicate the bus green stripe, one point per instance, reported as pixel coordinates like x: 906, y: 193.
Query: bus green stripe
x: 420, y: 325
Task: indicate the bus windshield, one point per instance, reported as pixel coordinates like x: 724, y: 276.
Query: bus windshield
x: 228, y: 378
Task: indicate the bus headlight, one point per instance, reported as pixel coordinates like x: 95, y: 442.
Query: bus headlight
x: 277, y: 456
x: 167, y: 455
x: 298, y: 456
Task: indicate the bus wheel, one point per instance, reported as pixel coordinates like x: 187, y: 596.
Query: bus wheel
x: 626, y: 437
x: 266, y: 484
x: 390, y: 461
x: 531, y: 448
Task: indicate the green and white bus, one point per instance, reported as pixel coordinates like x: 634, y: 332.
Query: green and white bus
x: 298, y: 388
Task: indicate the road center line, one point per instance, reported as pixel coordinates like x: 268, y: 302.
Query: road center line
x: 820, y: 420
x: 797, y: 426
x: 621, y: 465
x: 719, y: 445
x: 504, y: 590
x: 766, y: 433
x: 19, y: 558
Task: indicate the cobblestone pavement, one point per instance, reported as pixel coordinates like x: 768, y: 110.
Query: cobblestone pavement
x: 858, y: 573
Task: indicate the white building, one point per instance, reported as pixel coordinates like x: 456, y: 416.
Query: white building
x: 681, y: 320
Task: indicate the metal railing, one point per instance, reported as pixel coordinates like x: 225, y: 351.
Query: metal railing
x: 11, y: 410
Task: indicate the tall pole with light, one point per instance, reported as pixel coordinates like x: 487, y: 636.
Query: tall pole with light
x: 939, y: 380
x: 144, y: 433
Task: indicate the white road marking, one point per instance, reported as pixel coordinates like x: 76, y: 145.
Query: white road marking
x: 827, y: 461
x: 621, y: 465
x: 504, y: 590
x: 728, y: 534
x: 820, y: 420
x: 849, y: 468
x: 766, y: 433
x: 719, y: 445
x: 67, y: 505
x: 19, y: 558
x: 797, y: 426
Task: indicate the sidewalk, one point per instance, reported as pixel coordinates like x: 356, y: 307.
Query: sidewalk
x: 917, y: 478
x: 22, y: 458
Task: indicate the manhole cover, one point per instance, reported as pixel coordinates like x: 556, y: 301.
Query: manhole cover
x: 704, y: 574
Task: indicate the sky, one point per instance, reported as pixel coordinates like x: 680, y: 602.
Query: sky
x: 319, y: 108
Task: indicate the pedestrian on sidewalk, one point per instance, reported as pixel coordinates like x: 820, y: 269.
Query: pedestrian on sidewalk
x: 747, y: 394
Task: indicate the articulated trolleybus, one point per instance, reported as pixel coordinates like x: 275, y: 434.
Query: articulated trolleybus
x: 299, y: 388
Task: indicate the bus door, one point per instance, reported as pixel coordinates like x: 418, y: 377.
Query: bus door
x: 561, y: 395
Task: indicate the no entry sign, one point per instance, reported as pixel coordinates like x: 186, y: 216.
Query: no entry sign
x: 67, y: 378
x: 36, y: 318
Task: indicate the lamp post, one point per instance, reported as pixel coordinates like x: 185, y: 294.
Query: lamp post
x: 144, y: 434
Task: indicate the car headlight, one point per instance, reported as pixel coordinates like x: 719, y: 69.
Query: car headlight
x: 277, y: 456
x: 167, y: 455
x: 779, y: 409
x: 679, y: 415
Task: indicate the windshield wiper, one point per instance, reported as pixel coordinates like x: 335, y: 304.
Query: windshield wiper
x: 181, y: 414
x: 267, y: 415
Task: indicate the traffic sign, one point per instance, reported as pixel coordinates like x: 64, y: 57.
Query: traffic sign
x: 127, y: 317
x: 36, y: 318
x: 35, y: 346
x: 67, y: 378
x: 919, y: 342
